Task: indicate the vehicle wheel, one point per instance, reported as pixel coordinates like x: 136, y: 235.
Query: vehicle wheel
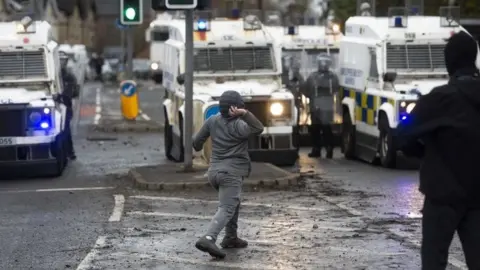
x: 182, y: 147
x: 388, y: 154
x: 168, y: 140
x: 348, y: 137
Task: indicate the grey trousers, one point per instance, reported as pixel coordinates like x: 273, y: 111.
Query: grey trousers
x: 229, y: 189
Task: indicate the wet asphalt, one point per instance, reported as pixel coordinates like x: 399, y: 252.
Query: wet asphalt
x: 351, y: 215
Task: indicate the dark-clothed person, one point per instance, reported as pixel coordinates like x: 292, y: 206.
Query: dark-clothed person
x: 320, y: 88
x: 97, y: 63
x: 229, y: 164
x: 70, y: 88
x: 444, y: 130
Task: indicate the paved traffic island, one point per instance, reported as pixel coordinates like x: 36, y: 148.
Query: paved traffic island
x: 118, y: 124
x: 172, y: 176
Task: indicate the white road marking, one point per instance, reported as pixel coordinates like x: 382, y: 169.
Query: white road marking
x: 118, y: 208
x: 88, y: 262
x: 54, y: 190
x: 177, y: 199
x: 144, y: 115
x: 98, y: 108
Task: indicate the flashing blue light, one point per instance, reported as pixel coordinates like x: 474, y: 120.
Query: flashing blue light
x: 291, y: 30
x: 44, y: 125
x: 398, y: 22
x: 404, y: 118
x: 201, y: 25
x: 235, y: 13
x: 212, y: 111
x: 46, y: 110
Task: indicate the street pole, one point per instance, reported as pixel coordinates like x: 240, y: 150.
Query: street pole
x: 188, y: 117
x: 124, y: 50
x: 129, y: 66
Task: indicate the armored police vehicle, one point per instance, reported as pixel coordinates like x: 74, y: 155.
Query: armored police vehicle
x: 156, y: 34
x: 385, y: 62
x: 32, y: 122
x: 229, y: 54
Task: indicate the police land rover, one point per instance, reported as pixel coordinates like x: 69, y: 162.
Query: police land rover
x: 32, y: 121
x: 234, y: 53
x: 385, y: 64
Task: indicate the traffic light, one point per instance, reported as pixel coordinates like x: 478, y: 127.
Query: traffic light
x: 181, y: 4
x: 131, y: 12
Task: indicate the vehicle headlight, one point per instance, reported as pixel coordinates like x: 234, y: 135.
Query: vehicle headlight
x: 410, y: 107
x: 276, y: 109
x: 154, y: 66
x: 40, y: 118
x: 336, y: 28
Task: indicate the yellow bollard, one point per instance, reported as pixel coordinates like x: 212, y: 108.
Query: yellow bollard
x: 129, y: 99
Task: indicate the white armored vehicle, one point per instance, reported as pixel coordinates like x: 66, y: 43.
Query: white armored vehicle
x: 229, y: 54
x: 385, y: 62
x: 156, y: 34
x: 32, y: 122
x: 302, y: 39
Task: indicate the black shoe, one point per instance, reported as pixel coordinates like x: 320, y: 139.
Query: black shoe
x: 314, y: 153
x: 233, y: 242
x: 207, y: 244
x: 72, y: 157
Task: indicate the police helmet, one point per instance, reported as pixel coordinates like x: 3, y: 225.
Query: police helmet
x: 324, y: 62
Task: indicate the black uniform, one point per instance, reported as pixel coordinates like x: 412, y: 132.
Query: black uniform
x: 69, y: 92
x: 444, y: 130
x: 319, y: 88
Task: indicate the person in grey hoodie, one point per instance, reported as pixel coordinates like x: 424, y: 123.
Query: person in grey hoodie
x: 229, y: 164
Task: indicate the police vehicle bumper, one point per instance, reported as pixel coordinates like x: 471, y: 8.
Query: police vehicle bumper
x: 26, y: 149
x: 275, y: 145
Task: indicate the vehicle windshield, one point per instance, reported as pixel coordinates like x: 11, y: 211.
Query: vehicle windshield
x: 20, y: 65
x: 253, y: 59
x: 306, y: 60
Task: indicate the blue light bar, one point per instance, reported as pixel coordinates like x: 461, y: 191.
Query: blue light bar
x: 44, y: 125
x: 291, y: 30
x: 201, y: 26
x: 398, y: 22
x: 235, y: 13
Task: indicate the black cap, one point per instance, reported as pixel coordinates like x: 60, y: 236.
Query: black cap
x: 228, y: 99
x: 460, y: 52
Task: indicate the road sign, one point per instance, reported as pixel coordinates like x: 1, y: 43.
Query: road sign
x: 131, y: 12
x: 129, y: 100
x: 181, y: 4
x: 128, y: 88
x: 119, y: 24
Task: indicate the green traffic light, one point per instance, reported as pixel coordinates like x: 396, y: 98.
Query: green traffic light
x: 130, y: 13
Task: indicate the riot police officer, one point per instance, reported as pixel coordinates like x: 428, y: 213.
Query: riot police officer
x: 70, y: 91
x: 320, y: 88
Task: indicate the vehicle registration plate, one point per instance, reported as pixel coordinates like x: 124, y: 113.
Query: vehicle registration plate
x: 6, y: 141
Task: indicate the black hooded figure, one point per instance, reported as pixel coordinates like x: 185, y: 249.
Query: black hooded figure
x: 444, y: 131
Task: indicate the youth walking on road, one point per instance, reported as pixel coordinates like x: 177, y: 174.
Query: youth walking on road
x: 229, y: 165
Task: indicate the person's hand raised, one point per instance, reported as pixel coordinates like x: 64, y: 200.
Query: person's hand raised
x: 234, y: 111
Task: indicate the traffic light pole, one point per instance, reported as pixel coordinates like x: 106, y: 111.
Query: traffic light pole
x: 129, y: 70
x: 188, y: 117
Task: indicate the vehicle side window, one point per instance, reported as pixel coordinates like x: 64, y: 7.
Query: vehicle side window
x: 373, y: 74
